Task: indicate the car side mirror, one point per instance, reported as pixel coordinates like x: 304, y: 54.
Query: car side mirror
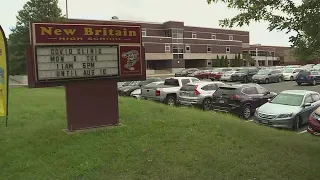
x: 266, y: 93
x: 307, y: 105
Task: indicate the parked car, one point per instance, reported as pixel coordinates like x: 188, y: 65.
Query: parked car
x: 267, y: 76
x: 314, y: 122
x: 137, y: 93
x: 244, y: 74
x: 127, y: 90
x: 198, y: 94
x: 217, y: 73
x: 289, y: 109
x: 307, y: 67
x: 185, y: 72
x: 291, y: 73
x: 123, y: 84
x: 308, y: 77
x: 240, y: 99
x: 226, y: 76
x: 201, y: 74
x: 167, y: 93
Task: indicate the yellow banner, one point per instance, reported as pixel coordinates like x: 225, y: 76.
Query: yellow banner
x: 3, y: 74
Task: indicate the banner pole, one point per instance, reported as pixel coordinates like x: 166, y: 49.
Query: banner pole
x: 6, y: 121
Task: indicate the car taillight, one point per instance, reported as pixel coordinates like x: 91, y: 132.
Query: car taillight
x: 196, y: 92
x: 157, y: 92
x: 235, y: 97
x: 310, y: 77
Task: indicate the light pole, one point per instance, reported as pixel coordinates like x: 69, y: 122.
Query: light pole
x: 67, y: 9
x: 256, y: 57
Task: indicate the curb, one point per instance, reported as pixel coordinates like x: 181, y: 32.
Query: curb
x: 159, y: 75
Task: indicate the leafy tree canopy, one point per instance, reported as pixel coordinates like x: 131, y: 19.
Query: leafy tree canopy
x: 32, y: 11
x: 301, y: 19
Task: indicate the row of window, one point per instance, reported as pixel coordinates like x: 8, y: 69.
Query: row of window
x: 180, y: 48
x: 178, y: 33
x: 260, y: 53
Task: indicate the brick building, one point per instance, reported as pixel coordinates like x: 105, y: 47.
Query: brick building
x: 266, y: 55
x: 172, y: 46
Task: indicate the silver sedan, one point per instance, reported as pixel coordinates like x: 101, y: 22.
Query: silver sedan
x: 289, y: 109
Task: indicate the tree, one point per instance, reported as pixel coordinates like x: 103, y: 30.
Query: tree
x: 301, y: 19
x: 33, y: 10
x: 249, y: 59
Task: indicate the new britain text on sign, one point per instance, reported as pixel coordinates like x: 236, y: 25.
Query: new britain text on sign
x: 73, y: 62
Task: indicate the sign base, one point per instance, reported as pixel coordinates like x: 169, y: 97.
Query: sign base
x: 91, y: 104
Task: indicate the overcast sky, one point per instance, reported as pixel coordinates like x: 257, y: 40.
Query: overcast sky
x: 192, y: 12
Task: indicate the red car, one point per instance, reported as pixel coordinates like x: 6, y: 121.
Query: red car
x: 217, y: 73
x: 314, y: 122
x: 202, y: 74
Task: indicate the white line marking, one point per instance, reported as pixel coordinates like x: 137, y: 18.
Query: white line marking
x: 302, y: 132
x: 249, y: 121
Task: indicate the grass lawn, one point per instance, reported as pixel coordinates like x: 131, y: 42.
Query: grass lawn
x: 154, y: 142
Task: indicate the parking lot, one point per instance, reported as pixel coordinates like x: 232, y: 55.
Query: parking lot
x: 277, y: 88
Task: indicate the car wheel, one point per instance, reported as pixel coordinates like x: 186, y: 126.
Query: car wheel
x: 296, y: 123
x: 266, y: 81
x: 291, y: 78
x: 314, y: 82
x: 171, y: 100
x: 206, y: 104
x: 299, y: 84
x: 280, y: 79
x: 246, y: 113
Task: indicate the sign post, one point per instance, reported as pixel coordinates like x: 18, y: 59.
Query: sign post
x: 4, y: 83
x: 89, y: 60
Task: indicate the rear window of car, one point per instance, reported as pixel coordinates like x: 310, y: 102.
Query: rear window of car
x: 188, y: 87
x: 304, y: 73
x: 171, y: 82
x: 225, y: 91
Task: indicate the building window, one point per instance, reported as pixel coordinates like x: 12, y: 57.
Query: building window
x: 144, y: 32
x: 231, y: 37
x: 209, y: 50
x: 245, y: 52
x: 177, y: 56
x: 187, y: 48
x: 213, y: 36
x: 253, y: 53
x: 177, y: 48
x: 194, y: 35
x: 228, y: 49
x: 168, y: 33
x: 167, y: 48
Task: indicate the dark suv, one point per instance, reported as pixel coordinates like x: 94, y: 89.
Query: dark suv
x: 241, y: 99
x: 244, y: 74
x: 308, y: 77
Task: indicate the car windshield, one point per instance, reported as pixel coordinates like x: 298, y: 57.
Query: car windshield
x: 243, y: 70
x: 217, y: 70
x: 184, y: 70
x: 288, y: 99
x: 135, y: 83
x: 288, y: 70
x: 229, y: 72
x: 263, y: 72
